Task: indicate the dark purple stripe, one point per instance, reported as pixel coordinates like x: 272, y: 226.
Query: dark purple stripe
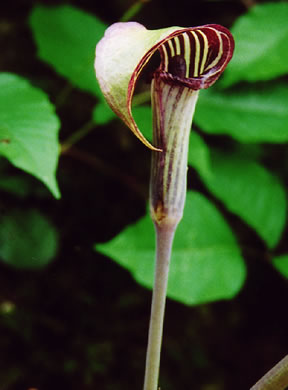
x: 214, y: 45
x: 174, y: 44
x: 192, y: 54
x: 181, y: 41
x: 167, y: 47
x: 202, y: 44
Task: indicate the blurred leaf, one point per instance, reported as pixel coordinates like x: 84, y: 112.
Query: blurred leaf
x: 199, y: 154
x: 16, y: 185
x: 206, y: 261
x: 281, y: 264
x: 261, y: 38
x: 250, y: 191
x: 29, y: 129
x: 102, y: 113
x: 27, y: 239
x: 248, y: 114
x: 66, y: 38
x: 249, y: 151
x: 143, y: 118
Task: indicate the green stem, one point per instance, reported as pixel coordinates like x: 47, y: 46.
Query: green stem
x: 77, y: 136
x: 133, y: 10
x: 89, y: 125
x: 164, y: 240
x: 63, y: 95
x: 105, y: 168
x: 275, y: 379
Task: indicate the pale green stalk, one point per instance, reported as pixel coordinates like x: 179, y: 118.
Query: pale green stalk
x: 173, y: 108
x: 164, y: 240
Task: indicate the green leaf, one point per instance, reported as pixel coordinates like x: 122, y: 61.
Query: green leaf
x: 102, y: 113
x: 281, y: 264
x: 27, y: 239
x: 261, y: 38
x: 199, y: 154
x: 143, y: 118
x: 248, y: 114
x: 206, y: 261
x: 16, y: 185
x: 66, y: 38
x: 29, y: 129
x: 250, y: 191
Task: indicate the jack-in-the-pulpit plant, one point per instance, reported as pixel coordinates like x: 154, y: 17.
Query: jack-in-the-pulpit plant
x: 191, y: 59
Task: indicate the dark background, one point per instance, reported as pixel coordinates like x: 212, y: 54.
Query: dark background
x: 82, y: 322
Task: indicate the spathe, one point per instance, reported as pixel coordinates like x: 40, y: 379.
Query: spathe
x: 127, y: 47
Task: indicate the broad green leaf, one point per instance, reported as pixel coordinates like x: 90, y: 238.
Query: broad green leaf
x: 66, y: 38
x: 250, y: 191
x: 102, y: 113
x: 261, y: 37
x: 249, y: 114
x: 206, y: 262
x: 27, y: 239
x: 29, y: 129
x: 281, y: 264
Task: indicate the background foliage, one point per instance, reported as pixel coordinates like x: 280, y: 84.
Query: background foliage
x: 58, y: 138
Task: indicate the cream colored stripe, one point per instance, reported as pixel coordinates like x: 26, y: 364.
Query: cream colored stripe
x: 165, y: 55
x: 171, y: 48
x: 197, y: 55
x: 178, y: 48
x: 187, y: 53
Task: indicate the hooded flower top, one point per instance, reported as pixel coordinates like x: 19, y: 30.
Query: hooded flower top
x: 193, y: 57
